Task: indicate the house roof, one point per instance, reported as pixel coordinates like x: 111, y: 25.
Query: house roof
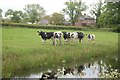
x: 86, y: 17
x: 44, y: 21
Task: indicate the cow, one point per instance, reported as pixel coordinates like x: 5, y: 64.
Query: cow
x: 57, y: 36
x: 91, y: 37
x: 51, y: 35
x: 66, y: 36
x: 73, y: 36
x: 45, y: 35
x: 70, y: 36
x: 80, y: 36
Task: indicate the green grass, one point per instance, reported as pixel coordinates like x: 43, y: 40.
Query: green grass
x: 23, y: 51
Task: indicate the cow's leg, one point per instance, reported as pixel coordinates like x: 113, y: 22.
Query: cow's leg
x: 80, y: 40
x: 89, y: 40
x: 76, y: 40
x: 68, y: 41
x: 93, y: 40
x: 65, y: 41
x: 43, y: 41
x: 57, y: 41
x: 72, y: 40
x: 60, y: 39
x: 53, y: 41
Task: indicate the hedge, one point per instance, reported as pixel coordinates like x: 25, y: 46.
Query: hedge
x: 57, y: 27
x: 39, y: 26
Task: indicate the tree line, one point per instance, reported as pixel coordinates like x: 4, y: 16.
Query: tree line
x: 106, y: 14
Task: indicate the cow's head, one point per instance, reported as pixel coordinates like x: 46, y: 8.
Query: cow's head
x: 64, y: 33
x: 40, y: 32
x: 72, y: 35
x: 55, y: 35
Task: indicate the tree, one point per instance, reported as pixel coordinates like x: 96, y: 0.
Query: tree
x: 0, y: 15
x: 47, y: 17
x: 24, y: 18
x: 14, y: 15
x: 111, y: 15
x: 74, y: 10
x: 96, y: 11
x: 34, y: 12
x: 57, y: 19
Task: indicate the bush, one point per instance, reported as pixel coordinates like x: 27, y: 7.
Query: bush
x: 117, y: 30
x: 58, y: 27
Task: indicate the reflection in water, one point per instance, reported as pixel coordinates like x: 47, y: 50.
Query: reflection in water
x: 89, y: 70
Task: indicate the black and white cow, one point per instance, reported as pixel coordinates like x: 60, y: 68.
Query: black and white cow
x: 91, y: 37
x: 57, y: 36
x: 51, y: 35
x: 66, y: 36
x: 73, y: 36
x: 80, y: 36
x: 45, y: 35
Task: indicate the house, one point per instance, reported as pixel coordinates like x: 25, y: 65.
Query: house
x: 44, y: 22
x: 67, y: 23
x: 85, y: 20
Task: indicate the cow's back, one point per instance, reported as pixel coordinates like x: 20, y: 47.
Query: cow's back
x: 80, y: 35
x: 74, y: 35
x: 49, y: 35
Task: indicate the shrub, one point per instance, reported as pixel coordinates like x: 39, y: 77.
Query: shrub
x: 58, y: 27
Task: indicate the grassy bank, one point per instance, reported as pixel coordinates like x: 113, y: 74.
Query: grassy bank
x: 23, y: 51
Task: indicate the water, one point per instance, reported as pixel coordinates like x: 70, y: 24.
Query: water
x: 88, y: 70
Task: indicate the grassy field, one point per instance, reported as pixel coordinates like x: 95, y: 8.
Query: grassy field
x: 23, y: 51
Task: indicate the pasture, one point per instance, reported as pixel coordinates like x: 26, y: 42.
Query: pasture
x: 23, y: 51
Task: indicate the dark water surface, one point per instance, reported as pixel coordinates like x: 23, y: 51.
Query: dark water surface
x: 87, y: 70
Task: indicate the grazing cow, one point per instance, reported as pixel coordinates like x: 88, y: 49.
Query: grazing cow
x: 45, y: 35
x: 57, y: 36
x: 66, y: 36
x: 70, y: 36
x: 91, y: 37
x: 73, y: 36
x: 80, y: 36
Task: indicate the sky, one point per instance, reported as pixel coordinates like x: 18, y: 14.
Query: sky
x: 50, y: 6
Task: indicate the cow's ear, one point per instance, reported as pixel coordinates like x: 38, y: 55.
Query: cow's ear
x: 38, y: 31
x: 64, y: 32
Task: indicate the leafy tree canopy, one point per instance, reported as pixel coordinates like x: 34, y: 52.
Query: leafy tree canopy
x: 34, y: 12
x: 111, y: 15
x: 74, y: 9
x: 57, y: 19
x: 14, y: 15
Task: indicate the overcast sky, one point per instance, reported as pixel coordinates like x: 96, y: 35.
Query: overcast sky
x: 50, y: 6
